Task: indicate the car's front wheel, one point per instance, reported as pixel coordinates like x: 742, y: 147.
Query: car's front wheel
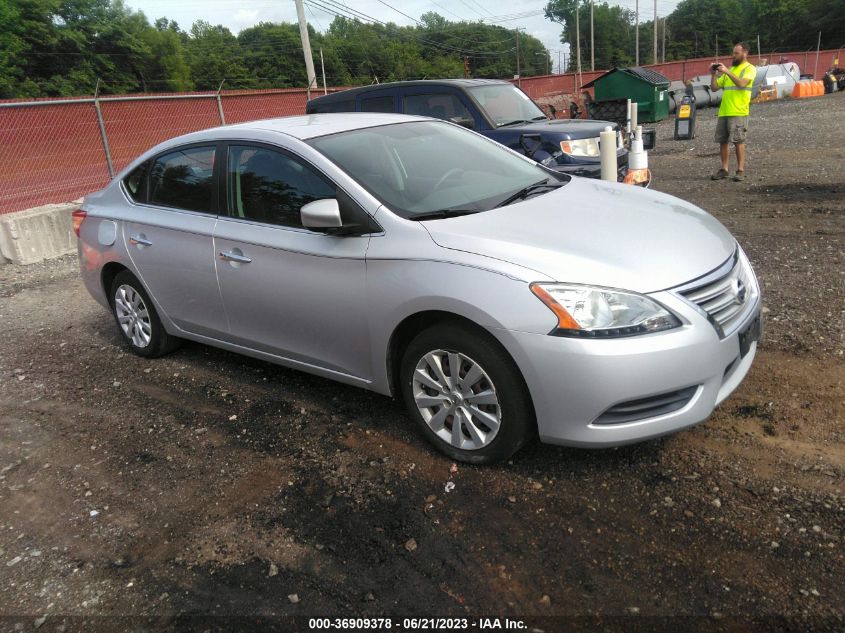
x: 137, y: 318
x: 466, y: 394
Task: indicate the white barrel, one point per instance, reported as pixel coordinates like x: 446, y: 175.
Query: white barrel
x: 608, y: 154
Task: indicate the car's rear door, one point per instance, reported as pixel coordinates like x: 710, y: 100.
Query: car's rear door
x: 288, y: 290
x: 168, y: 236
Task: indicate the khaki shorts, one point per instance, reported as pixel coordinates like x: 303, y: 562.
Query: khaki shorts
x: 731, y: 129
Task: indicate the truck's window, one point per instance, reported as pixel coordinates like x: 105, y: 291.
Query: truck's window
x: 345, y: 105
x: 506, y: 104
x: 377, y: 104
x: 440, y: 106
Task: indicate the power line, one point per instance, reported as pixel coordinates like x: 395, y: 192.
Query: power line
x: 418, y: 37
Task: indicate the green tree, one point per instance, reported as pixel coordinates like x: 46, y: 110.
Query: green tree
x: 165, y: 68
x: 614, y: 33
x: 214, y: 55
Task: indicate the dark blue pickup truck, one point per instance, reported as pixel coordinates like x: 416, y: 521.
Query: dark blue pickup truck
x: 496, y: 109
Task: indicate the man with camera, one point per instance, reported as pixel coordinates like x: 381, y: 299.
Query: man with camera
x: 732, y: 125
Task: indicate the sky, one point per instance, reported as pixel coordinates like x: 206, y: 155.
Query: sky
x: 238, y: 15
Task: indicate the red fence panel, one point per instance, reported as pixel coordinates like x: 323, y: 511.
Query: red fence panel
x: 251, y: 106
x: 546, y: 85
x: 135, y: 126
x: 49, y: 153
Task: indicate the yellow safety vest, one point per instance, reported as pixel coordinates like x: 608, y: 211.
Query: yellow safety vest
x: 736, y: 100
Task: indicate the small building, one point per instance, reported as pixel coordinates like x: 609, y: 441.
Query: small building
x: 649, y: 89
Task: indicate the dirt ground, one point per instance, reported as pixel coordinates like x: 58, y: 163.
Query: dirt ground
x: 208, y: 484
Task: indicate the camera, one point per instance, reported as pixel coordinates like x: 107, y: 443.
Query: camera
x: 714, y: 67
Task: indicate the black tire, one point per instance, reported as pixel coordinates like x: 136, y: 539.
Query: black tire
x: 516, y: 422
x: 160, y: 342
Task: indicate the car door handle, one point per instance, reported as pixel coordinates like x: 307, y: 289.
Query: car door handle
x: 137, y: 239
x: 229, y: 256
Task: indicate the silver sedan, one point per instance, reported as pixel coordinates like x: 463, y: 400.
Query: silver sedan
x: 499, y: 299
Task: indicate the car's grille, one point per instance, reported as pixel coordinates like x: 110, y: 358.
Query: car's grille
x: 650, y: 407
x: 728, y: 298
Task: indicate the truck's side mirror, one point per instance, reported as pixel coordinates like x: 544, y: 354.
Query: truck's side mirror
x: 530, y: 143
x: 463, y: 122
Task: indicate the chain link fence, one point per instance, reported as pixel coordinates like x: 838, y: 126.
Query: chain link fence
x: 569, y: 83
x: 56, y: 150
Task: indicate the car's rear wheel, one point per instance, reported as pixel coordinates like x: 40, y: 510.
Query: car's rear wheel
x: 137, y: 318
x: 466, y: 394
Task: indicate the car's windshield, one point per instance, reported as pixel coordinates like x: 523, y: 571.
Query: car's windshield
x: 422, y: 167
x: 506, y: 104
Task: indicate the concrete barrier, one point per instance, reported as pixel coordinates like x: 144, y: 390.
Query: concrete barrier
x: 30, y: 236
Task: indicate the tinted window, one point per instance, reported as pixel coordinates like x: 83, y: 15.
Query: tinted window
x: 268, y: 186
x: 377, y: 104
x: 346, y: 105
x: 439, y: 106
x: 184, y: 179
x: 136, y: 183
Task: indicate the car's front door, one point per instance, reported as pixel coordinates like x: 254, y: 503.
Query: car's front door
x: 440, y: 103
x: 288, y: 290
x: 168, y: 235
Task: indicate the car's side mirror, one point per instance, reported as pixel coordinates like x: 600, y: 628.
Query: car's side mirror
x: 321, y: 214
x: 463, y: 122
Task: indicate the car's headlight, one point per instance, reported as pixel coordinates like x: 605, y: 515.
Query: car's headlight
x: 581, y: 147
x: 589, y: 312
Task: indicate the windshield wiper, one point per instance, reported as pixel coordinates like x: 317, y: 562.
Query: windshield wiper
x: 442, y: 213
x: 526, y: 191
x: 514, y: 122
x: 542, y: 117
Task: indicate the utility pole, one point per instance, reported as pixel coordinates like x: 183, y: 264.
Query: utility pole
x: 577, y: 40
x: 818, y: 46
x: 663, y: 44
x: 655, y: 31
x: 758, y: 48
x: 637, y: 35
x: 592, y: 41
x: 323, y: 66
x: 559, y: 67
x: 518, y: 75
x: 306, y: 47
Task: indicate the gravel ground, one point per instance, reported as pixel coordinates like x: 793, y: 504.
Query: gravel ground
x: 208, y: 484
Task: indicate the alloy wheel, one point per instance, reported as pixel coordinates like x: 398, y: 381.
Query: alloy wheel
x: 457, y: 399
x: 132, y: 315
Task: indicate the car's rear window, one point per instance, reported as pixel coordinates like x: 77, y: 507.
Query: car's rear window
x: 184, y: 179
x: 135, y: 183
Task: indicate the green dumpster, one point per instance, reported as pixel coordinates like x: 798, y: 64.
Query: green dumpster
x: 649, y: 89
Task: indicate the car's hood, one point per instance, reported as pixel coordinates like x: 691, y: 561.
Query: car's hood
x: 595, y: 232
x: 572, y: 128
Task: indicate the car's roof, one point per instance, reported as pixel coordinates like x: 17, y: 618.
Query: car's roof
x: 463, y: 83
x: 312, y: 125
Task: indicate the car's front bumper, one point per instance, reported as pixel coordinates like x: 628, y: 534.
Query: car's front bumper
x: 575, y: 383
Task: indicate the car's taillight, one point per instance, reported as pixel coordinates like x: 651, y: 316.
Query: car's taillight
x: 78, y: 219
